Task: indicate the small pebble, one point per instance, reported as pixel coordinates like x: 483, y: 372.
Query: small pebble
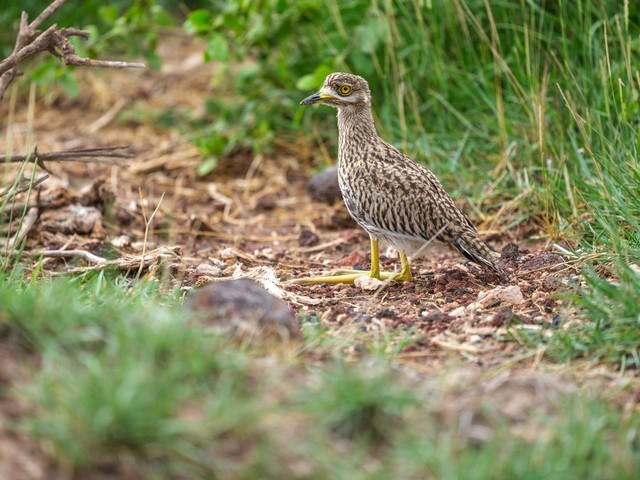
x: 510, y: 295
x: 365, y: 282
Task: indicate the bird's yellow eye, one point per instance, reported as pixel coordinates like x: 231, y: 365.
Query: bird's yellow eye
x: 345, y: 89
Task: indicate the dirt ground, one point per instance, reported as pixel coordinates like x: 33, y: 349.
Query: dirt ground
x: 254, y: 211
x: 253, y: 217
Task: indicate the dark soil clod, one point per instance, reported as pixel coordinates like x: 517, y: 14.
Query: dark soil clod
x: 324, y: 188
x: 245, y: 310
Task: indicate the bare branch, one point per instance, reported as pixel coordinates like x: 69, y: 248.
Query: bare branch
x: 77, y: 61
x: 163, y: 257
x: 46, y: 13
x: 107, y: 117
x: 6, y: 79
x: 147, y: 225
x: 27, y: 223
x: 23, y: 33
x: 71, y: 32
x: 42, y: 43
x: 29, y: 186
x: 88, y: 256
x: 78, y: 155
x: 31, y: 41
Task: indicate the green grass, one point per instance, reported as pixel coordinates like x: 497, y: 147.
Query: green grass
x: 512, y: 95
x: 359, y: 402
x: 568, y: 445
x: 117, y: 373
x: 611, y: 330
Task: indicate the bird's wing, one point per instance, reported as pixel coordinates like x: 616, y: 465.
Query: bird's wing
x: 407, y: 199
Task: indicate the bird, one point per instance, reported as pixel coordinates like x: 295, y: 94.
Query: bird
x: 393, y: 198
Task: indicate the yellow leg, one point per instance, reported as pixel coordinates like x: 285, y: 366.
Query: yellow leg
x: 374, y: 272
x: 375, y: 259
x: 405, y: 272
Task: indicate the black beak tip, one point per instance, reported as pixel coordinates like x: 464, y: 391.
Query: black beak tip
x: 310, y: 100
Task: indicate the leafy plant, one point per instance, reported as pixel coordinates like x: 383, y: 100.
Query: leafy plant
x: 611, y: 330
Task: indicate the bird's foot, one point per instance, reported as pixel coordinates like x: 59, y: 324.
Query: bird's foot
x: 328, y: 279
x: 349, y: 276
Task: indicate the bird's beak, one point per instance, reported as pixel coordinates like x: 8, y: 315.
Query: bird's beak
x: 316, y: 98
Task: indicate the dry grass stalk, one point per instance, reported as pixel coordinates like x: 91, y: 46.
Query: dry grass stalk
x: 15, y: 190
x: 81, y: 155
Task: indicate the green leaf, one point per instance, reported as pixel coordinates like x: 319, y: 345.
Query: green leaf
x: 206, y: 167
x: 371, y: 35
x: 69, y: 84
x: 315, y: 79
x: 108, y: 13
x: 161, y: 17
x: 217, y: 49
x: 198, y: 21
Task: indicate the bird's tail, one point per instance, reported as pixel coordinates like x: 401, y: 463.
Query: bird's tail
x: 471, y: 246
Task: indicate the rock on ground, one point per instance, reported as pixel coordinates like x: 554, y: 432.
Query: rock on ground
x: 324, y: 188
x: 510, y: 295
x: 243, y: 309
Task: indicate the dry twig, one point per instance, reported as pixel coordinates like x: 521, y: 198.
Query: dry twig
x: 82, y: 155
x: 158, y: 259
x: 12, y: 191
x: 54, y: 40
x: 147, y: 226
x: 27, y: 223
x: 161, y: 257
x: 88, y: 256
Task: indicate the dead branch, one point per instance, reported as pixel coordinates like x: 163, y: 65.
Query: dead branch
x: 88, y: 256
x: 27, y: 223
x: 158, y: 259
x: 28, y: 186
x: 46, y: 13
x: 108, y: 116
x: 147, y: 225
x: 31, y: 41
x: 77, y: 155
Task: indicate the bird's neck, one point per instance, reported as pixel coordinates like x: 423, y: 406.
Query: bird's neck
x: 355, y: 126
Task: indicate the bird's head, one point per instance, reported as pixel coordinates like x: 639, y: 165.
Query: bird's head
x: 342, y: 90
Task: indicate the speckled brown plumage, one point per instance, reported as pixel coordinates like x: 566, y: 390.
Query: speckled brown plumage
x: 392, y: 197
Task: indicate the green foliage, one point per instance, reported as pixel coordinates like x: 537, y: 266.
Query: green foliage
x: 542, y: 94
x: 118, y: 369
x: 134, y: 30
x: 611, y: 330
x: 517, y: 87
x: 574, y: 442
x: 262, y: 99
